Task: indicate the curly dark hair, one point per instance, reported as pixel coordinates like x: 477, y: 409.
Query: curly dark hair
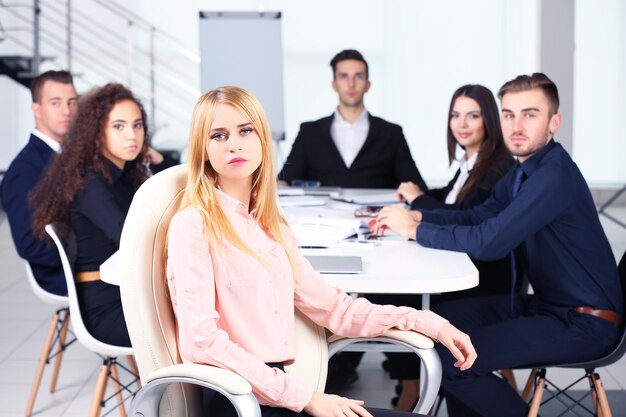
x: 82, y: 152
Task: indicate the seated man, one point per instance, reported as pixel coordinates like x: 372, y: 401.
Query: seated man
x: 544, y: 205
x: 351, y: 148
x: 54, y: 105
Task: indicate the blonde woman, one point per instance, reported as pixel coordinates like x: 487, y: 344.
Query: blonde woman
x: 235, y: 273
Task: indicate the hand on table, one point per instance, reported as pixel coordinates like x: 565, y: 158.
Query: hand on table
x: 325, y: 405
x: 399, y: 219
x: 459, y: 344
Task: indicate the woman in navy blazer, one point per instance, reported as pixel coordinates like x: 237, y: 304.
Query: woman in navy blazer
x: 474, y: 127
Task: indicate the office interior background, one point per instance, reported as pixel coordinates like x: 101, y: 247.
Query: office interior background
x: 419, y: 52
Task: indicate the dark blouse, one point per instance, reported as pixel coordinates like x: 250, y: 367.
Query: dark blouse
x: 97, y: 216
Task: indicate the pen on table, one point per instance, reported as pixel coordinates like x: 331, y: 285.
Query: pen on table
x: 313, y: 247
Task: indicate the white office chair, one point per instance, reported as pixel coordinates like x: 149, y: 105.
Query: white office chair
x: 170, y: 388
x: 109, y: 353
x: 57, y: 334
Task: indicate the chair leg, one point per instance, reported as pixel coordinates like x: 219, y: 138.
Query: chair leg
x: 61, y: 348
x: 43, y: 360
x: 540, y: 385
x: 530, y: 383
x: 118, y: 389
x: 132, y: 364
x: 509, y: 377
x: 604, y: 410
x: 101, y: 387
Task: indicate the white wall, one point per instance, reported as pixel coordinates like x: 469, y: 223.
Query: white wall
x: 600, y: 90
x: 419, y: 53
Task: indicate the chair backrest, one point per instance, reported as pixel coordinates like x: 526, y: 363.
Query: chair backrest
x: 42, y: 294
x: 619, y: 350
x: 67, y: 251
x: 145, y: 297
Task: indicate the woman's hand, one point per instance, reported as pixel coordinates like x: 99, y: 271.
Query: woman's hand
x: 408, y: 191
x: 154, y: 157
x: 328, y: 405
x: 399, y: 219
x: 459, y: 344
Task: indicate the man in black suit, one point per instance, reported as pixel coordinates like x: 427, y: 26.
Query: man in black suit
x: 351, y: 148
x: 54, y: 105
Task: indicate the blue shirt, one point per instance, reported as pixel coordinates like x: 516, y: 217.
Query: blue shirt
x: 568, y: 257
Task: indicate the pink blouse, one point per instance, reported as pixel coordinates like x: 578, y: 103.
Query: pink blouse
x: 237, y: 313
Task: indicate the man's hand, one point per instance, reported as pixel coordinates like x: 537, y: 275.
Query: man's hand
x: 459, y: 344
x: 326, y: 405
x: 399, y: 219
x: 408, y: 191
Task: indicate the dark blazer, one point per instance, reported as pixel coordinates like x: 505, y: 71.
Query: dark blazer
x: 435, y: 198
x: 21, y: 177
x: 384, y: 161
x: 495, y: 276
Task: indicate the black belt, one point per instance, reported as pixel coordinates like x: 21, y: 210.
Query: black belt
x: 608, y: 315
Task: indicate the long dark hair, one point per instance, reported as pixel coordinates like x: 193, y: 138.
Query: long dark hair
x: 492, y: 147
x: 82, y: 152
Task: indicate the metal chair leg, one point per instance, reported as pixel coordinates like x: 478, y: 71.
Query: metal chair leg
x: 43, y: 360
x: 61, y: 349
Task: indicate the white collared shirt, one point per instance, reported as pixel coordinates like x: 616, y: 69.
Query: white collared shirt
x: 56, y: 146
x: 466, y: 168
x: 349, y: 137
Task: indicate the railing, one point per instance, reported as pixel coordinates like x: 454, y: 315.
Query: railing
x: 101, y: 41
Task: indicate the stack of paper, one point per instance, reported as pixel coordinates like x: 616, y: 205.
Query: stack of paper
x: 324, y: 231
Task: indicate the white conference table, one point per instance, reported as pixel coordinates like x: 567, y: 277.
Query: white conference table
x: 390, y: 266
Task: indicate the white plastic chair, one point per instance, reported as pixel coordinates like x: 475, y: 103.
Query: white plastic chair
x: 57, y: 334
x: 108, y: 352
x: 170, y: 388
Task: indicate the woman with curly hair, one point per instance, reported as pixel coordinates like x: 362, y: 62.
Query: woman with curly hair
x: 88, y: 189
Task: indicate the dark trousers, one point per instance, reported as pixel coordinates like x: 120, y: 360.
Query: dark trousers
x: 534, y: 333
x: 101, y: 308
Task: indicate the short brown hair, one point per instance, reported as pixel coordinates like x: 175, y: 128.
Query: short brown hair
x: 37, y: 83
x: 345, y: 55
x: 530, y: 82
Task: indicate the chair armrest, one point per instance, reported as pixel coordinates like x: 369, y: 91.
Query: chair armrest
x: 412, y: 338
x: 225, y: 379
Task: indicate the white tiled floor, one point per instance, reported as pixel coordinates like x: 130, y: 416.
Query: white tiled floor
x: 26, y: 320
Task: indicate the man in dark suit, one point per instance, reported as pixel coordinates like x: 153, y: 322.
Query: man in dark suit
x: 54, y: 105
x: 544, y: 208
x: 351, y: 148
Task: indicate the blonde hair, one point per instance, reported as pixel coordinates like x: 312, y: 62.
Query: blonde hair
x: 202, y: 177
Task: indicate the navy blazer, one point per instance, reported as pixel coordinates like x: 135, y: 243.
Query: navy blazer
x: 384, y: 161
x: 21, y: 177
